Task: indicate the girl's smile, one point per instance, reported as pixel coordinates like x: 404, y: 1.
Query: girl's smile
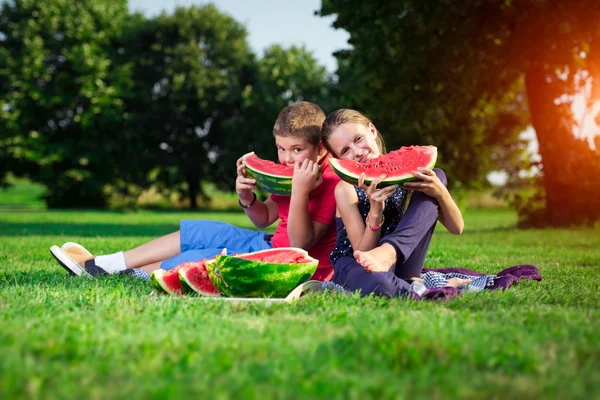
x: 353, y: 141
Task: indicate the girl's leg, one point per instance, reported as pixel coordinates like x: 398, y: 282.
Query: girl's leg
x: 353, y: 276
x: 407, y: 246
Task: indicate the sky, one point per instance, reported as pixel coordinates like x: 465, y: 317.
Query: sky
x: 268, y: 22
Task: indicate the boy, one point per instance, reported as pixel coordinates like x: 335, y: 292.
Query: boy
x: 306, y: 217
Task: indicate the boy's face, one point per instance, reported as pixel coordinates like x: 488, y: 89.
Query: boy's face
x: 291, y: 149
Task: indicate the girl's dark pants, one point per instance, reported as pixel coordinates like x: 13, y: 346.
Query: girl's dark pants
x: 411, y: 240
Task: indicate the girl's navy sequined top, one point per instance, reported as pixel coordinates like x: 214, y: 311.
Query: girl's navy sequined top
x: 393, y: 211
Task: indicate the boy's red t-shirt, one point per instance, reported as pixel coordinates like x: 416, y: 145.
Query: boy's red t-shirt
x: 321, y: 208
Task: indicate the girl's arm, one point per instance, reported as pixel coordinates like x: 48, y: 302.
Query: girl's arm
x: 450, y: 215
x: 361, y: 236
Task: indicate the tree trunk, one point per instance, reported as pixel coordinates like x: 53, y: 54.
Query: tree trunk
x: 193, y: 189
x: 556, y: 145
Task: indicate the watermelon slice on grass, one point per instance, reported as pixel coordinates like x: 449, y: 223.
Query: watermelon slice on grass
x: 194, y: 279
x: 167, y: 280
x: 396, y: 165
x: 267, y: 273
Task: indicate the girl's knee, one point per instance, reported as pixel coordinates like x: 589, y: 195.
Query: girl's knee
x: 441, y: 175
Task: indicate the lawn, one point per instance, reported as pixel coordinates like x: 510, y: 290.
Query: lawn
x: 68, y: 337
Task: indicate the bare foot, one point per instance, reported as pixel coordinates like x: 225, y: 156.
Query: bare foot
x: 457, y: 282
x: 380, y: 259
x: 415, y: 279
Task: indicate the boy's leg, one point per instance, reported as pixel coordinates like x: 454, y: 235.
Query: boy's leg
x: 206, y: 239
x: 353, y: 276
x: 154, y: 251
x: 77, y: 260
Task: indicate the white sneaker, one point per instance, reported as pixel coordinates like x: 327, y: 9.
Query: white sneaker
x: 67, y: 262
x: 76, y: 248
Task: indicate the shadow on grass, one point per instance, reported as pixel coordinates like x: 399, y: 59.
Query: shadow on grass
x: 85, y: 230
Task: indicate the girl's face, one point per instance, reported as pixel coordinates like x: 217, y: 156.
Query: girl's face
x: 291, y: 149
x: 353, y: 141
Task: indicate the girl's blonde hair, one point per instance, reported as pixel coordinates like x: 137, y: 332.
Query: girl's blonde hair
x: 347, y: 116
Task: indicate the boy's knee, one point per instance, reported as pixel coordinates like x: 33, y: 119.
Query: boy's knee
x: 441, y: 175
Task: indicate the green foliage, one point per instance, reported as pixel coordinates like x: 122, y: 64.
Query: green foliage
x: 283, y: 76
x: 65, y: 337
x: 60, y: 96
x: 190, y: 71
x: 465, y: 75
x: 98, y: 103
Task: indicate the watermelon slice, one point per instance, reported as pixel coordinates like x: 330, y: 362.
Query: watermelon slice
x: 267, y: 273
x: 167, y: 280
x: 271, y: 177
x: 194, y: 279
x: 397, y: 165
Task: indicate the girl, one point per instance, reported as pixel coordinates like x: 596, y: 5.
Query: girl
x: 379, y: 248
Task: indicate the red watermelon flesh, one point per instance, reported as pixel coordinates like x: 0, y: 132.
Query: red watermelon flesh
x: 167, y: 280
x: 278, y: 256
x: 251, y: 160
x: 271, y: 177
x: 194, y: 278
x: 397, y: 165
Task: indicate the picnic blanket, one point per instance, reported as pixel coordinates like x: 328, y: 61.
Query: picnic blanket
x: 502, y: 280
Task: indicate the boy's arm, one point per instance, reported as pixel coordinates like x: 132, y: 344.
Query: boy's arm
x: 303, y: 232
x: 262, y: 214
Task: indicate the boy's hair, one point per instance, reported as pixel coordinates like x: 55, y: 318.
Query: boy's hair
x: 347, y: 116
x: 301, y: 120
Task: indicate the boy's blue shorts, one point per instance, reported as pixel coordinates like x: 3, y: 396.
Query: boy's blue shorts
x: 205, y: 239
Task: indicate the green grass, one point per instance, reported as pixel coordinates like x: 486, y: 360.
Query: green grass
x: 22, y: 194
x: 66, y: 337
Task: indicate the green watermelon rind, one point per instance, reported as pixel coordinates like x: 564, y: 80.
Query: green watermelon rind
x: 270, y: 183
x: 237, y: 277
x: 352, y: 178
x: 187, y: 287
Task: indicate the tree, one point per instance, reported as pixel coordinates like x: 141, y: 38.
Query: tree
x: 470, y: 75
x: 61, y: 112
x: 282, y: 76
x: 190, y: 70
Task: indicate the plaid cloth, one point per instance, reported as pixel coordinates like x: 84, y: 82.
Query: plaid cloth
x: 434, y: 279
x: 138, y: 273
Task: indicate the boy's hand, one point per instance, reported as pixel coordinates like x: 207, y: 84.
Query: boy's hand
x: 306, y: 177
x: 377, y: 197
x: 243, y: 184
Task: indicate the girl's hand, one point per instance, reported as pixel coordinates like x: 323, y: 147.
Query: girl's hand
x: 430, y: 184
x: 306, y: 177
x: 377, y: 197
x: 243, y: 184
